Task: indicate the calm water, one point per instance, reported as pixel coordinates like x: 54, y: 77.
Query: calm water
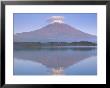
x: 56, y: 61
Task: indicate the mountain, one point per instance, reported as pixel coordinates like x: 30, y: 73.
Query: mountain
x: 55, y: 32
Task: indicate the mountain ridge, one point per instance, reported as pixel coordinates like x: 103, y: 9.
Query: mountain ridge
x: 55, y: 32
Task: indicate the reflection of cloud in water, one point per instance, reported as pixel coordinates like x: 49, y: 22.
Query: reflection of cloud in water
x: 55, y: 58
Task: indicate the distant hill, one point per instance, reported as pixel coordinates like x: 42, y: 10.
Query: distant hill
x: 55, y: 32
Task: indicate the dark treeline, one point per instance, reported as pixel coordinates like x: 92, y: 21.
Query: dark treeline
x: 81, y: 43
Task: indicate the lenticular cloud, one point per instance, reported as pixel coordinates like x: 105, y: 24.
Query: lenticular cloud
x: 56, y: 19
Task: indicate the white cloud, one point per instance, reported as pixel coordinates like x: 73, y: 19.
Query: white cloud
x: 56, y: 19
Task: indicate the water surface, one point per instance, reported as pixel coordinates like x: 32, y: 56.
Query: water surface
x: 56, y: 61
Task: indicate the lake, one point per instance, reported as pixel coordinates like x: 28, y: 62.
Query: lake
x: 66, y: 60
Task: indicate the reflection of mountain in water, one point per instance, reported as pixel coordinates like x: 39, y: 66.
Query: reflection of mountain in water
x: 56, y: 57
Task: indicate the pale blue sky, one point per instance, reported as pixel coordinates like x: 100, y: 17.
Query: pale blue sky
x: 86, y: 22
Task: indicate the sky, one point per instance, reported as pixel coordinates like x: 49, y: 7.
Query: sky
x: 25, y: 22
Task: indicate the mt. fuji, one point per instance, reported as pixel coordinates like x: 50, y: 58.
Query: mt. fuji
x: 56, y: 31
